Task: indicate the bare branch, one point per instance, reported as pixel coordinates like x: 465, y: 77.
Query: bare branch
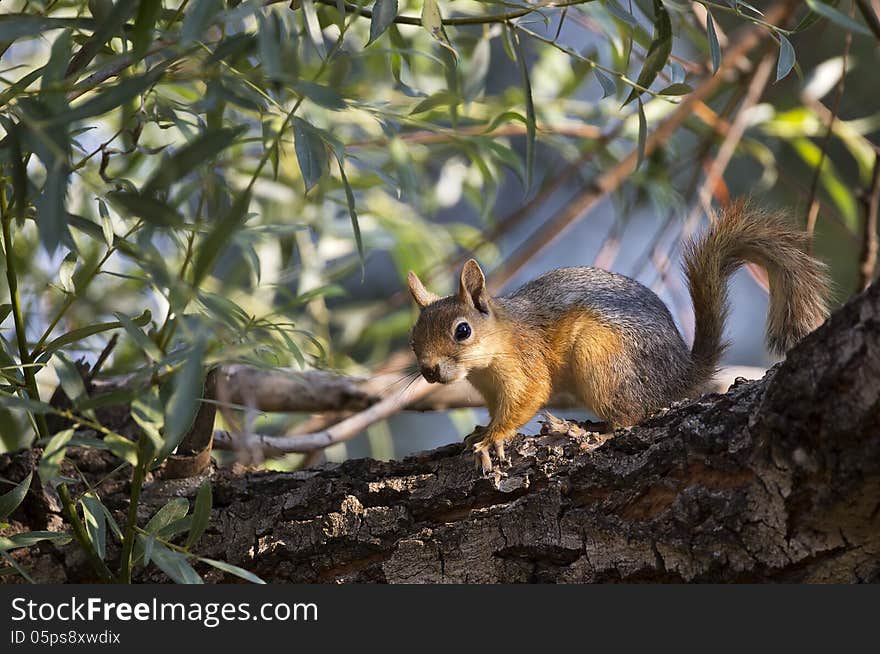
x: 870, y: 17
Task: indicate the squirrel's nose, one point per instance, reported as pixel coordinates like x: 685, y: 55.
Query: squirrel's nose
x: 431, y: 373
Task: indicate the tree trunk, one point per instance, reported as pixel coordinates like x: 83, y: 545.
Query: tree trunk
x: 777, y: 480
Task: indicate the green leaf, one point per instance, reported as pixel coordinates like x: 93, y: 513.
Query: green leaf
x: 121, y: 447
x: 99, y: 234
x: 530, y: 109
x: 607, y: 84
x: 174, y: 510
x: 175, y: 565
x: 51, y: 203
x: 15, y: 26
x: 14, y: 402
x: 5, y: 310
x: 324, y: 96
x: 432, y: 21
x: 658, y: 52
x: 69, y: 378
x: 148, y: 543
x: 714, y: 48
x: 233, y: 570
x: 144, y: 22
x: 65, y: 272
x: 620, y: 13
x: 84, y: 332
x: 19, y: 169
x: 110, y: 398
x: 643, y: 134
x: 108, y: 27
x: 95, y: 523
x: 811, y: 18
x: 504, y: 117
x: 142, y: 340
x: 18, y: 87
x: 311, y: 152
x: 839, y: 191
x: 12, y: 562
x: 352, y: 209
x: 269, y: 40
x: 54, y: 73
x: 478, y: 69
x: 201, y: 514
x: 220, y: 236
x: 384, y: 13
x: 313, y: 27
x: 106, y: 223
x: 509, y: 158
x: 171, y: 531
x: 29, y: 538
x: 439, y: 99
x: 838, y: 17
x: 198, y: 16
x: 9, y: 501
x: 786, y: 58
x: 146, y: 411
x: 109, y: 98
x: 143, y: 206
x: 53, y: 455
x: 199, y: 151
x: 676, y: 89
x: 180, y: 412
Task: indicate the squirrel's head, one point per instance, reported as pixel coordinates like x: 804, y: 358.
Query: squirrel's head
x: 453, y: 334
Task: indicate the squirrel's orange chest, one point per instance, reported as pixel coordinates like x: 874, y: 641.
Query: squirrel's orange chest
x: 489, y: 382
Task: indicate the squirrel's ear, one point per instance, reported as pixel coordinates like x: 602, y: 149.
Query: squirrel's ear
x: 420, y: 294
x: 473, y: 287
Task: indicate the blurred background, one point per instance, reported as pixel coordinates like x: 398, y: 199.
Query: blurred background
x: 260, y: 176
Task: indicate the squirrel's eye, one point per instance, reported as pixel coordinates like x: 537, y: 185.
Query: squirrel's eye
x: 462, y: 331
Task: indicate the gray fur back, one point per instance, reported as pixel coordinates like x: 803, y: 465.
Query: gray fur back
x: 659, y: 367
x: 622, y: 301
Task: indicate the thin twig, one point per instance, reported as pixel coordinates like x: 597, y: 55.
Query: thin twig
x: 102, y: 358
x: 137, y: 483
x: 30, y: 378
x: 870, y: 17
x: 79, y: 531
x: 338, y: 433
x: 868, y: 265
x: 813, y: 204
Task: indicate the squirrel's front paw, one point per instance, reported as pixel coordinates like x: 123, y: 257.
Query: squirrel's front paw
x: 483, y: 461
x: 477, y: 435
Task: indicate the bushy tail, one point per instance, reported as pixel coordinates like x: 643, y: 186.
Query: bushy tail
x: 799, y: 286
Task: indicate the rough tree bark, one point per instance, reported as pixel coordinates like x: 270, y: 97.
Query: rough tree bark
x: 776, y: 480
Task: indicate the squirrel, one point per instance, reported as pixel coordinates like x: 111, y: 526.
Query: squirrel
x: 605, y: 337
